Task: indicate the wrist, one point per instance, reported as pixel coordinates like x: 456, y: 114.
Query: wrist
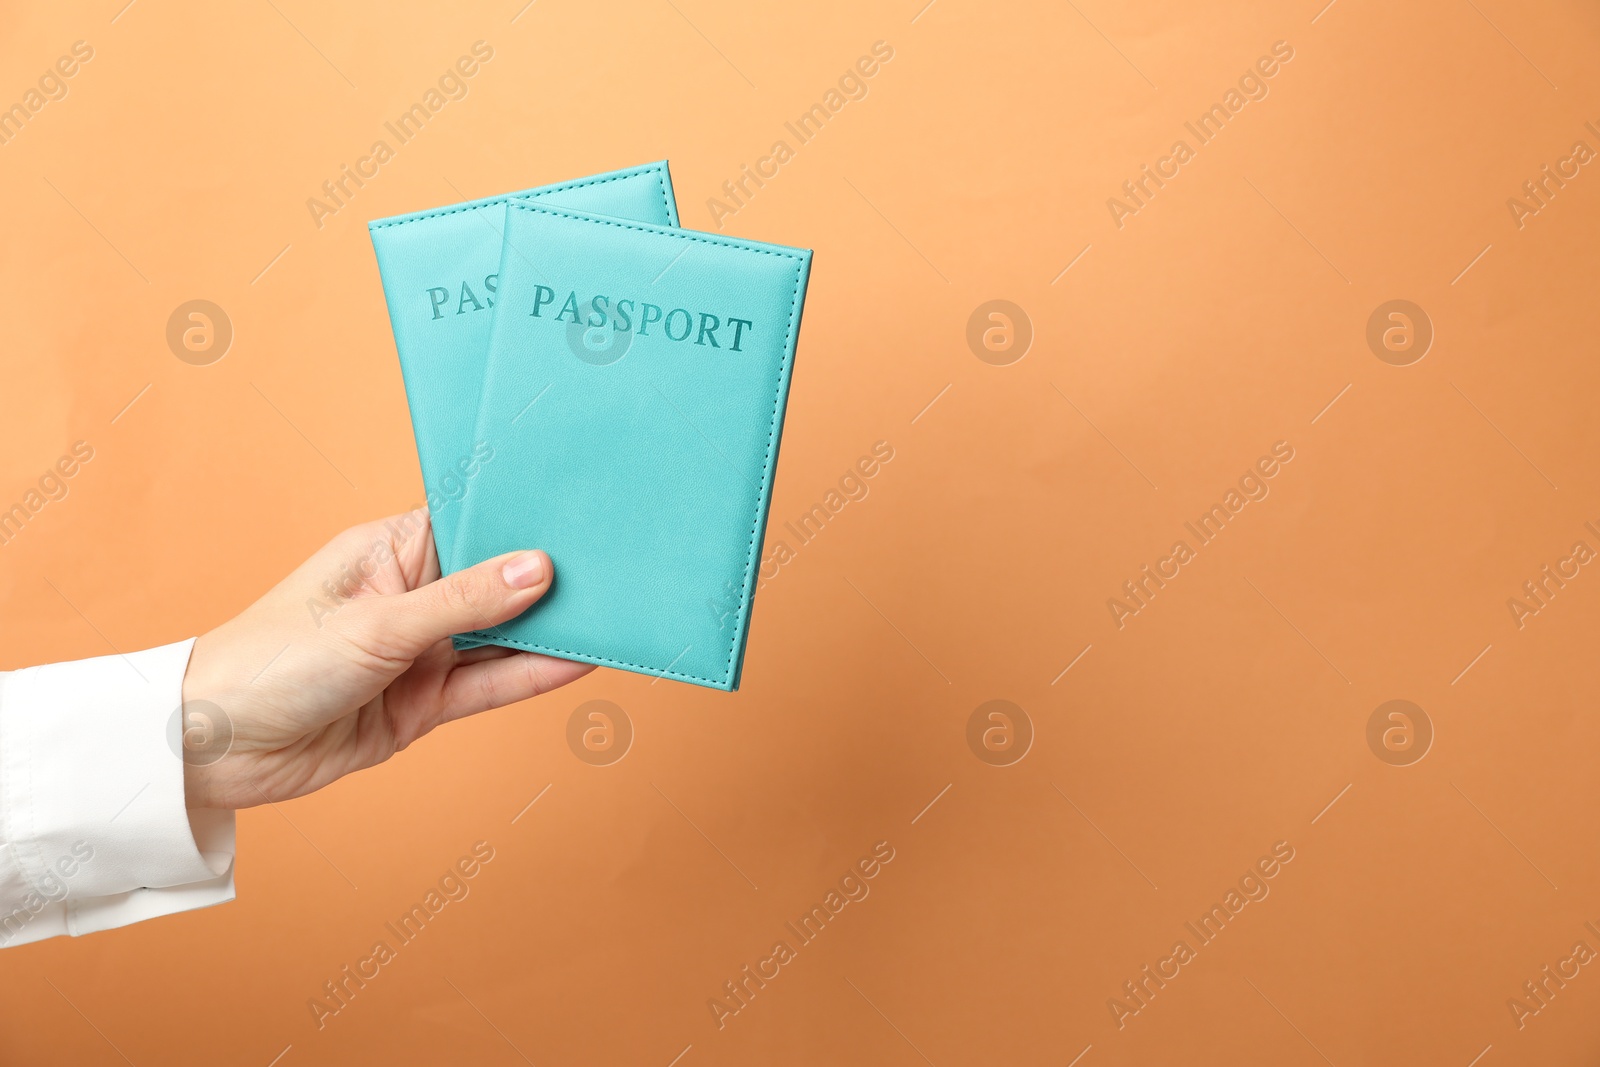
x: 205, y: 730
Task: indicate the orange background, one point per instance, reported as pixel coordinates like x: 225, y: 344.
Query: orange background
x: 1223, y: 718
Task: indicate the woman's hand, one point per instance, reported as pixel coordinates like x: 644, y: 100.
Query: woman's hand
x: 348, y: 660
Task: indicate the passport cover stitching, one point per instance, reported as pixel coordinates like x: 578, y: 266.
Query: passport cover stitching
x: 784, y: 371
x: 657, y: 170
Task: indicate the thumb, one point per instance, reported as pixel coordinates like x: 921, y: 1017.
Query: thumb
x: 488, y: 594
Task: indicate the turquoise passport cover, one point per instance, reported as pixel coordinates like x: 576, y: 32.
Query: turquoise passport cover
x: 637, y: 378
x: 439, y: 277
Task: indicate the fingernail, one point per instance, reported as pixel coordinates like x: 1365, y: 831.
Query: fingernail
x: 524, y: 570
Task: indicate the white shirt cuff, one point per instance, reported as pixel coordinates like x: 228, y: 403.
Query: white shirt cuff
x: 93, y: 829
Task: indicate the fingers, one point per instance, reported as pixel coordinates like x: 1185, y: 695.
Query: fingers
x: 404, y: 625
x: 495, y: 683
x: 408, y: 538
x: 384, y: 556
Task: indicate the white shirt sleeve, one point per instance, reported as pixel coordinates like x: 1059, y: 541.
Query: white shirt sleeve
x: 93, y: 829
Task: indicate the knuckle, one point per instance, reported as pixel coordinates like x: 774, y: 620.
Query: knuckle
x: 538, y: 684
x: 487, y: 690
x: 352, y: 540
x: 464, y: 593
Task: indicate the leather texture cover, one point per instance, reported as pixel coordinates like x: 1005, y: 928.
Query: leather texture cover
x: 634, y: 400
x: 438, y: 270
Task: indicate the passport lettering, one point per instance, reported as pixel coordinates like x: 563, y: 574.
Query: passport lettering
x: 678, y: 324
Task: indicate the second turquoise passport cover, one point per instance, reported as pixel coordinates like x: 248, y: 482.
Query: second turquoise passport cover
x: 634, y: 399
x: 439, y: 278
